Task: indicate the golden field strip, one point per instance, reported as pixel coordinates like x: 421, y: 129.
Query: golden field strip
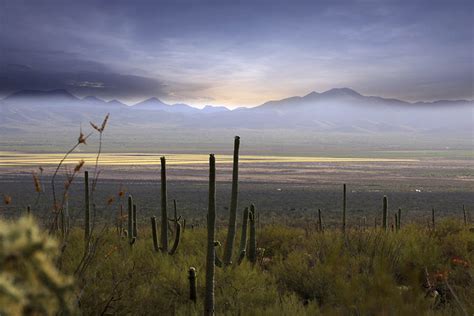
x: 123, y: 159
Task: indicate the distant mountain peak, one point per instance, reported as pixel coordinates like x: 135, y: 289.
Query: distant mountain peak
x: 91, y: 98
x: 312, y: 94
x: 116, y: 102
x: 153, y: 99
x: 341, y: 92
x: 152, y: 102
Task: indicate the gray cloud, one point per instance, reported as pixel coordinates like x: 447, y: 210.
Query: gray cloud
x: 238, y: 52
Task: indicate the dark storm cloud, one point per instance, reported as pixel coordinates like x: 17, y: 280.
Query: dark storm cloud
x: 102, y: 84
x: 238, y: 52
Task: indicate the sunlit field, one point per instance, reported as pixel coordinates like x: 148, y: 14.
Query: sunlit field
x: 143, y: 159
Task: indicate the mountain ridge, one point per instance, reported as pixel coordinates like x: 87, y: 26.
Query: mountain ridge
x: 333, y: 111
x: 154, y: 102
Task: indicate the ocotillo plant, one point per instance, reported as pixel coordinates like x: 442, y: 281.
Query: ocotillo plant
x: 156, y: 247
x: 229, y: 246
x: 399, y: 218
x: 243, y: 237
x: 433, y: 218
x: 164, y: 208
x: 344, y: 208
x: 320, y: 221
x: 384, y: 214
x: 87, y: 208
x: 252, y: 255
x: 135, y: 230
x: 192, y: 284
x: 211, y: 252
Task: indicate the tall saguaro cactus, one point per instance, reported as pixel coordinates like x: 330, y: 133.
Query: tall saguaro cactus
x: 344, y: 208
x: 211, y: 252
x: 384, y: 212
x: 87, y: 208
x: 252, y: 255
x: 164, y: 207
x: 229, y: 246
x: 243, y: 237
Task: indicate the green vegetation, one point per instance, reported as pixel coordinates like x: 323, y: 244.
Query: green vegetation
x: 366, y: 271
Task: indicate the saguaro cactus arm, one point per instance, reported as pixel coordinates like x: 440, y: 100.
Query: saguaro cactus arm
x: 177, y: 237
x: 252, y: 254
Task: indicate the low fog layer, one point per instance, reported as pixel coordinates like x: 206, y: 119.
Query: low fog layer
x: 336, y: 110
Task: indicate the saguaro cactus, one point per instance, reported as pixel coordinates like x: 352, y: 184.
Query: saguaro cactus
x: 320, y: 221
x: 156, y: 247
x: 395, y: 223
x: 229, y: 246
x: 465, y: 214
x: 164, y: 207
x: 384, y: 212
x: 399, y: 218
x: 211, y: 253
x: 87, y: 208
x: 135, y: 230
x: 192, y: 284
x: 131, y: 238
x: 433, y: 218
x: 252, y: 255
x: 344, y: 208
x: 243, y: 237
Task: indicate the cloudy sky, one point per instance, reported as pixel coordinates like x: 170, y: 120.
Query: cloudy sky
x: 238, y: 53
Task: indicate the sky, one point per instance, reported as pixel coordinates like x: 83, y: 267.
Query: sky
x: 238, y: 53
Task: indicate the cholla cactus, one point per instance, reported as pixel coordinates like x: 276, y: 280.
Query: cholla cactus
x: 30, y: 284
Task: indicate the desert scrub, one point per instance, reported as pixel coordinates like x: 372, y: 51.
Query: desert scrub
x: 30, y: 284
x: 369, y: 272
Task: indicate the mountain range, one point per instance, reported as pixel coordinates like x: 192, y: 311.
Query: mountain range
x: 338, y: 110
